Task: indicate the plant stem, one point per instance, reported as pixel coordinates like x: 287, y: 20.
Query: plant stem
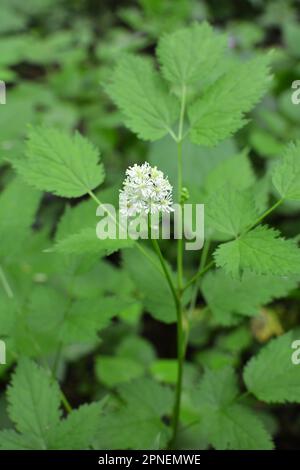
x: 5, y: 284
x: 179, y: 309
x: 198, y: 274
x: 165, y: 270
x: 65, y: 402
x: 180, y: 363
x: 180, y: 240
x: 264, y: 215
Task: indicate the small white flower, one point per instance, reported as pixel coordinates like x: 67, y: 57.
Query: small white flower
x: 145, y: 190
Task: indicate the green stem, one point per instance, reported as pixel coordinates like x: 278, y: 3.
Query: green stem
x: 264, y: 215
x: 65, y: 402
x: 180, y: 363
x: 198, y: 274
x: 64, y: 399
x: 181, y: 344
x: 180, y: 240
x: 179, y: 184
x: 165, y: 270
x: 5, y: 284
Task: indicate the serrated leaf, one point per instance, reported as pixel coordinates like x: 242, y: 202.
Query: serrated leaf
x: 59, y: 163
x: 190, y: 54
x: 262, y: 251
x: 34, y: 407
x: 286, y: 174
x: 228, y: 297
x: 34, y: 401
x: 221, y: 110
x: 144, y: 403
x: 137, y: 89
x: 227, y: 424
x: 77, y: 431
x: 271, y: 375
x: 229, y: 211
x: 11, y: 440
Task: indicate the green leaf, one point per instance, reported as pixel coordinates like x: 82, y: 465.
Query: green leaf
x: 155, y: 291
x: 8, y: 313
x: 220, y: 112
x: 137, y: 348
x: 228, y: 297
x: 34, y: 400
x: 271, y: 375
x: 86, y: 241
x: 18, y: 205
x: 199, y: 162
x: 236, y: 340
x: 137, y: 89
x: 228, y: 425
x: 34, y: 407
x: 165, y: 370
x: 286, y: 174
x: 113, y: 370
x: 143, y: 404
x: 11, y: 440
x: 59, y: 163
x: 70, y: 320
x: 225, y: 173
x: 77, y: 431
x: 190, y: 54
x: 230, y: 211
x: 262, y: 251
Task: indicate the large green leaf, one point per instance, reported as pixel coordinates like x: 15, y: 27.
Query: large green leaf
x: 59, y: 163
x: 228, y: 424
x: 138, y: 90
x: 271, y: 375
x: 262, y: 251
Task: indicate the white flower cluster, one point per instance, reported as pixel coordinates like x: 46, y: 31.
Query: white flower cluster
x: 145, y: 190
